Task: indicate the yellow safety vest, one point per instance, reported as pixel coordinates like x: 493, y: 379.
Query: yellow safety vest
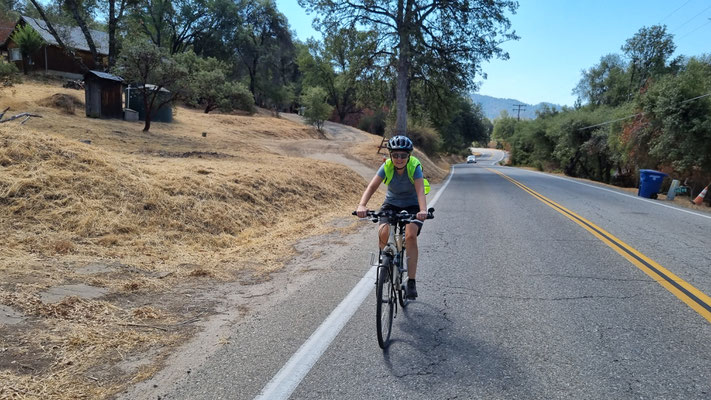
x: 412, y: 164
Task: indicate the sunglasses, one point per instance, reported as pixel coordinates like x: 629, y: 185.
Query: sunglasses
x: 402, y: 156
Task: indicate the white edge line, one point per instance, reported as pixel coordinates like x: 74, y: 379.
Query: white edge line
x: 441, y: 190
x: 290, y: 375
x: 288, y: 378
x: 616, y: 192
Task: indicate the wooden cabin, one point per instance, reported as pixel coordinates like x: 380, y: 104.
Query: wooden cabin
x: 50, y: 58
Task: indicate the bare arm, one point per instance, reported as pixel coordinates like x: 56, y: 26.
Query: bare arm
x: 372, y: 187
x: 421, y: 200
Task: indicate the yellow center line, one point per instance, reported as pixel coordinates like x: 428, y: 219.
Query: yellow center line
x: 694, y: 298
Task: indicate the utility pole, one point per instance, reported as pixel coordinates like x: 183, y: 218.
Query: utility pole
x: 517, y: 108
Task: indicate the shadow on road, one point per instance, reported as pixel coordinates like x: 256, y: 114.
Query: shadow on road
x: 427, y: 342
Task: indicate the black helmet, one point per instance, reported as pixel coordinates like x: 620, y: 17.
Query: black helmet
x: 400, y: 142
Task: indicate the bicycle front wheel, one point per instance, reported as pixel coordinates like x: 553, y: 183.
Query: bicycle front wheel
x: 384, y: 305
x: 401, y: 294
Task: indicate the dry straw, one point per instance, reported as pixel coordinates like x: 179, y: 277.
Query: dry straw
x: 159, y: 210
x: 152, y: 212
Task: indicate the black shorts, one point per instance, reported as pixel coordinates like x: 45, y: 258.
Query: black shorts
x: 396, y: 209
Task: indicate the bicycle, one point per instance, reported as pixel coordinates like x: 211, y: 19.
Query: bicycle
x: 392, y: 266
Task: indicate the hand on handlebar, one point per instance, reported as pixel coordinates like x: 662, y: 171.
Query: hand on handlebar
x: 364, y: 212
x: 422, y: 215
x: 361, y: 211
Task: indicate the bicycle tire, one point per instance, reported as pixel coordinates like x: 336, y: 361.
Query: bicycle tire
x: 384, y: 305
x: 401, y: 295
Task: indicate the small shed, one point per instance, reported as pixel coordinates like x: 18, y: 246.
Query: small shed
x: 103, y: 95
x: 134, y: 101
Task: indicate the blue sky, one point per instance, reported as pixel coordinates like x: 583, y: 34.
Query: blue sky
x: 560, y: 38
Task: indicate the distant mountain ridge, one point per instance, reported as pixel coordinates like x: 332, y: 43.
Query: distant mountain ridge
x: 492, y: 106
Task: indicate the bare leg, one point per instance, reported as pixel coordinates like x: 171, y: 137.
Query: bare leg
x: 383, y: 234
x: 412, y: 252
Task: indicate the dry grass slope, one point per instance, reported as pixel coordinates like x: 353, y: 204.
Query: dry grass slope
x: 152, y: 212
x: 68, y: 197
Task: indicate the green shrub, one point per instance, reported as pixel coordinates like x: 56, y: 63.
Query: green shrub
x: 374, y: 124
x: 9, y: 74
x: 379, y: 123
x: 28, y: 39
x: 365, y: 123
x: 425, y: 138
x: 317, y: 110
x: 238, y: 97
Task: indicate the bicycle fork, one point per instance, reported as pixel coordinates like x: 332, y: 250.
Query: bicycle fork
x: 386, y: 262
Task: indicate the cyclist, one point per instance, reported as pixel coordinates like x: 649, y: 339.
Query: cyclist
x: 402, y: 172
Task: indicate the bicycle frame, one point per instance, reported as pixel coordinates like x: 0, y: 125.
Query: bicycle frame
x: 394, y: 248
x: 395, y: 245
x: 392, y: 259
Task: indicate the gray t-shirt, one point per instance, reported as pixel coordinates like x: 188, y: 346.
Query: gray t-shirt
x: 401, y: 192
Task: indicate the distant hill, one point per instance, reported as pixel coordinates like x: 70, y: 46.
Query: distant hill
x: 492, y: 106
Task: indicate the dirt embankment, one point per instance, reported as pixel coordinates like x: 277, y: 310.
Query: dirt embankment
x: 113, y: 237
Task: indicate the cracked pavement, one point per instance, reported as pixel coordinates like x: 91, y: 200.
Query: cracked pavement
x: 515, y: 302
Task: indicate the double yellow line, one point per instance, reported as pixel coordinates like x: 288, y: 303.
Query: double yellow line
x: 694, y: 298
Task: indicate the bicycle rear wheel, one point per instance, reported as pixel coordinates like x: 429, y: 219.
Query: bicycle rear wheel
x: 401, y: 295
x: 384, y: 305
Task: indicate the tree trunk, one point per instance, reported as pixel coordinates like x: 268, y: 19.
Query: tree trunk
x: 147, y: 108
x: 112, y: 33
x: 251, y: 82
x: 403, y: 70
x: 67, y: 50
x: 341, y: 110
x: 114, y: 18
x: 74, y: 8
x: 147, y: 126
x: 253, y: 78
x: 403, y: 66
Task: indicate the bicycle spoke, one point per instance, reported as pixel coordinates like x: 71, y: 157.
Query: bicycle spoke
x: 384, y: 306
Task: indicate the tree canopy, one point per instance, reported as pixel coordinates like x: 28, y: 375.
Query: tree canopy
x: 387, y: 67
x: 433, y: 40
x: 636, y: 110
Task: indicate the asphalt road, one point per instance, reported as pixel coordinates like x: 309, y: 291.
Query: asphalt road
x: 517, y: 300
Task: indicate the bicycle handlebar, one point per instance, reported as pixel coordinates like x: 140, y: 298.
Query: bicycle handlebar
x: 402, y: 216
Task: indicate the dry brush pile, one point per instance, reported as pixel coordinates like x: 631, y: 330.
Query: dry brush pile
x: 167, y: 220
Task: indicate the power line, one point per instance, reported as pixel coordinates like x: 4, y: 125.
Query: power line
x: 692, y: 18
x: 697, y: 97
x: 518, y: 107
x: 638, y: 114
x: 670, y: 14
x: 609, y: 122
x: 696, y: 29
